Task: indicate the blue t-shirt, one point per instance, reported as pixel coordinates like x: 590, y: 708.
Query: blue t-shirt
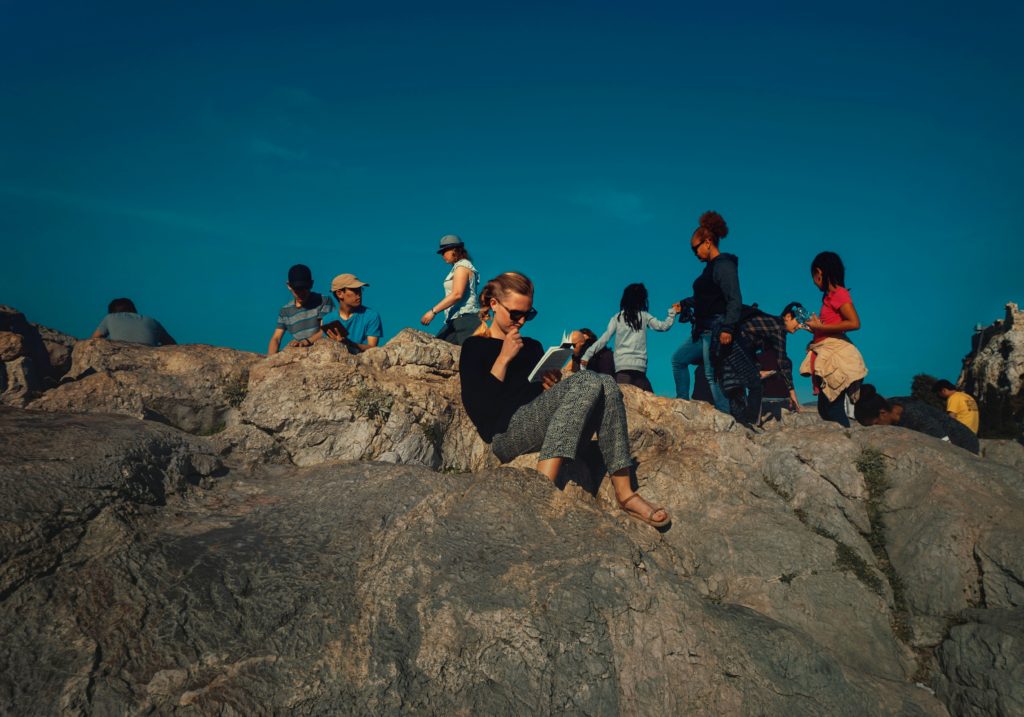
x: 363, y: 323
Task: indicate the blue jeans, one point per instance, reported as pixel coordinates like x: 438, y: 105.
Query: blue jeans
x: 692, y: 352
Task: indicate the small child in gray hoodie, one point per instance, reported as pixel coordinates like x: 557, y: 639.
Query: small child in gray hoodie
x: 629, y: 327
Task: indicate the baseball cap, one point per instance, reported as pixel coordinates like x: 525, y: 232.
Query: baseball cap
x: 449, y: 241
x: 346, y: 281
x: 300, y: 277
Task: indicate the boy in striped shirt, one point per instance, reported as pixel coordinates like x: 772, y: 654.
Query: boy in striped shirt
x: 301, y: 317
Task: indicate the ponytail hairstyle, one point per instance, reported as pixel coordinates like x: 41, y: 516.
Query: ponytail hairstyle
x: 461, y: 253
x: 833, y: 273
x: 869, y: 405
x: 511, y: 282
x: 634, y: 301
x: 712, y: 228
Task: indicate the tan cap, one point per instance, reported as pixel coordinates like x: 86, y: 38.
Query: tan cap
x: 346, y: 281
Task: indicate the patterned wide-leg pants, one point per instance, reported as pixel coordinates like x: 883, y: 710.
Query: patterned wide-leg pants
x: 558, y: 421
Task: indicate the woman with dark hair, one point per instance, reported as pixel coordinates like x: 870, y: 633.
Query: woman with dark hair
x: 833, y: 362
x: 872, y: 409
x: 716, y: 308
x: 460, y: 304
x: 629, y: 327
x: 552, y: 416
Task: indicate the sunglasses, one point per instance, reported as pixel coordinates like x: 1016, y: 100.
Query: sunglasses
x: 695, y: 247
x: 515, y: 316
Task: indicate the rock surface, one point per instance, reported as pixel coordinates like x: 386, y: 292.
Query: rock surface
x: 192, y: 387
x: 994, y: 374
x: 31, y: 357
x: 809, y: 569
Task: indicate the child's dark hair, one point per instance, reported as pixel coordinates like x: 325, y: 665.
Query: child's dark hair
x: 833, y: 273
x: 634, y: 301
x: 121, y: 306
x: 589, y: 339
x: 869, y: 405
x: 791, y: 308
x: 942, y: 384
x: 712, y: 228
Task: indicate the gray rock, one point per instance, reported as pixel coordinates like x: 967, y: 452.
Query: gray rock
x: 994, y: 374
x: 982, y: 664
x: 952, y: 528
x: 368, y: 589
x: 58, y: 473
x: 59, y: 347
x: 1008, y: 453
x: 192, y: 387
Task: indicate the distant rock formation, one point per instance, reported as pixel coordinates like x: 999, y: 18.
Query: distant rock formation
x: 32, y: 357
x: 993, y: 373
x: 342, y: 542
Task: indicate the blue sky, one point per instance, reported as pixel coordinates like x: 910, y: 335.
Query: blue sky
x: 185, y: 155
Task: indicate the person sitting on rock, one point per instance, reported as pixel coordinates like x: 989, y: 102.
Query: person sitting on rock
x: 959, y: 404
x: 301, y: 317
x: 552, y: 416
x: 124, y: 323
x: 872, y: 409
x: 363, y: 328
x: 603, y: 361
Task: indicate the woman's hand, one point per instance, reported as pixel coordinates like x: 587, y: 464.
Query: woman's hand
x: 427, y: 318
x: 725, y: 338
x: 550, y: 378
x: 511, y: 346
x: 676, y: 308
x: 813, y: 324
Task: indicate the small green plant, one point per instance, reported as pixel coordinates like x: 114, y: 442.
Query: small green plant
x: 434, y: 431
x: 213, y: 429
x: 235, y: 391
x: 373, y: 402
x: 871, y: 464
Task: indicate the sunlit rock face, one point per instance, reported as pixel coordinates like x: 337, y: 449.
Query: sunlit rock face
x: 318, y: 532
x: 994, y: 374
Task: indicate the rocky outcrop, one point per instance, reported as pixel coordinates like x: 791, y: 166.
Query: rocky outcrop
x: 358, y: 588
x: 192, y: 387
x: 994, y: 374
x: 364, y: 554
x: 32, y: 357
x: 982, y: 666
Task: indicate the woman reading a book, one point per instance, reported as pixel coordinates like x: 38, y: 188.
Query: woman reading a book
x: 552, y: 416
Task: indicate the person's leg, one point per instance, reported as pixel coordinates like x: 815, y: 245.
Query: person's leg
x: 528, y: 425
x: 721, y: 402
x: 643, y: 382
x: 445, y: 334
x: 613, y: 441
x: 833, y: 410
x: 464, y: 327
x: 687, y: 354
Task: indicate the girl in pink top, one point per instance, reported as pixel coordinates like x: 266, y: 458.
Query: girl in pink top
x: 837, y: 317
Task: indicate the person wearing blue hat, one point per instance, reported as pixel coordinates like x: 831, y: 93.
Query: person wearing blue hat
x: 461, y: 304
x: 302, y: 316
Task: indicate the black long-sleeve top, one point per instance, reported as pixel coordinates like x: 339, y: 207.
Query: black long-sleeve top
x: 919, y: 416
x: 717, y: 292
x: 489, y: 402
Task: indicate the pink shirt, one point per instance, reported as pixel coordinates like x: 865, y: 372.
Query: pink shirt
x: 829, y: 313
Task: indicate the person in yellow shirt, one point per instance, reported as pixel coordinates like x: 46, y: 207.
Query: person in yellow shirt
x: 959, y: 405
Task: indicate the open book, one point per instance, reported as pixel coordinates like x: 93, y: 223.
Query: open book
x: 552, y: 360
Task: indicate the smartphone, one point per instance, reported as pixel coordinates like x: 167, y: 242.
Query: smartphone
x: 336, y: 326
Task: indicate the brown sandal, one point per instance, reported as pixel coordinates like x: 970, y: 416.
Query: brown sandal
x: 649, y: 519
